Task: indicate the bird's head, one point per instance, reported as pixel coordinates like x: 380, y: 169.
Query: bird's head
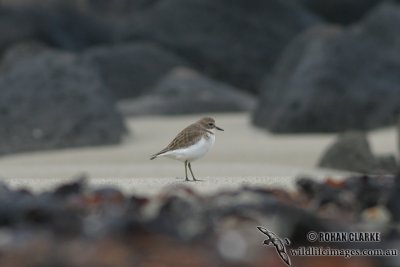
x: 209, y: 124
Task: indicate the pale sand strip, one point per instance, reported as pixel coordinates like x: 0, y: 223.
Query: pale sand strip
x: 242, y: 155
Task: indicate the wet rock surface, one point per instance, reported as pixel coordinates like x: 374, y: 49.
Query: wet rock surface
x: 75, y: 225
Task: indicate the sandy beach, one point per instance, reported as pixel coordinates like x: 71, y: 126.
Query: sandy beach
x: 242, y: 155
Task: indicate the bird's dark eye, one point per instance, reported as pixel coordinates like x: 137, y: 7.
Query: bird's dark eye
x: 210, y: 124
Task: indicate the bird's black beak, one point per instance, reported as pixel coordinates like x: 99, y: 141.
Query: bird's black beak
x: 220, y: 129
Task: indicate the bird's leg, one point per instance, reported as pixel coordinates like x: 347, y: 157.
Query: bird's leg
x: 186, y: 162
x: 190, y: 169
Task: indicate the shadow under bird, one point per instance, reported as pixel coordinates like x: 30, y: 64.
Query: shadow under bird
x: 191, y: 143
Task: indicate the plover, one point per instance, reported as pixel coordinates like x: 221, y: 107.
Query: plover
x: 191, y: 143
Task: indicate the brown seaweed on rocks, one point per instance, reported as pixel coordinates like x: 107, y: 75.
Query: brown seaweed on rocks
x: 76, y: 225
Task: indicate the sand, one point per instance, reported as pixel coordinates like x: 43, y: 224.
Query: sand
x: 242, y: 155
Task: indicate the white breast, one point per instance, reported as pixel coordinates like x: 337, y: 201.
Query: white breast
x: 193, y: 152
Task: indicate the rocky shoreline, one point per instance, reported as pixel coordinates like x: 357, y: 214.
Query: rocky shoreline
x: 75, y: 225
x: 297, y: 66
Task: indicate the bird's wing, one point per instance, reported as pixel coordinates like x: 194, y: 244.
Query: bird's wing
x: 187, y: 136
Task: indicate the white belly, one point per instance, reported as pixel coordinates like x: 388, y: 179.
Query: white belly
x: 192, y: 152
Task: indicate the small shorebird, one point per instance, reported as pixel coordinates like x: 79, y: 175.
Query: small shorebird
x: 191, y: 143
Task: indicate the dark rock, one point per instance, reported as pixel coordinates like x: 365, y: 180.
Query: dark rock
x: 108, y: 195
x: 68, y: 28
x: 184, y: 91
x: 340, y: 11
x: 351, y: 152
x: 53, y: 100
x: 177, y: 213
x: 73, y: 188
x: 398, y: 136
x: 129, y: 69
x: 308, y: 186
x: 47, y: 213
x: 180, y: 227
x: 181, y: 218
x: 393, y: 201
x: 61, y: 26
x: 354, y: 198
x: 387, y: 164
x: 19, y: 51
x: 326, y: 193
x: 331, y: 79
x: 4, y: 190
x: 117, y: 8
x: 235, y: 41
x: 15, y: 26
x: 368, y: 192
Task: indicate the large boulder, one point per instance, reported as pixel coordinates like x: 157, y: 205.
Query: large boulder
x: 184, y: 91
x: 332, y: 79
x: 51, y: 99
x: 63, y: 26
x: 398, y: 145
x: 231, y: 40
x: 15, y: 26
x: 340, y: 11
x: 69, y: 28
x: 116, y: 10
x: 19, y: 51
x: 129, y: 69
x: 352, y: 152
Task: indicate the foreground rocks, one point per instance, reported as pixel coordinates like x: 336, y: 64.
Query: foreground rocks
x: 51, y: 99
x: 185, y: 91
x: 332, y: 79
x: 79, y: 226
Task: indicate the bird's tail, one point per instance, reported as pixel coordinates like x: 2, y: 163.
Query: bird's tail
x: 159, y: 154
